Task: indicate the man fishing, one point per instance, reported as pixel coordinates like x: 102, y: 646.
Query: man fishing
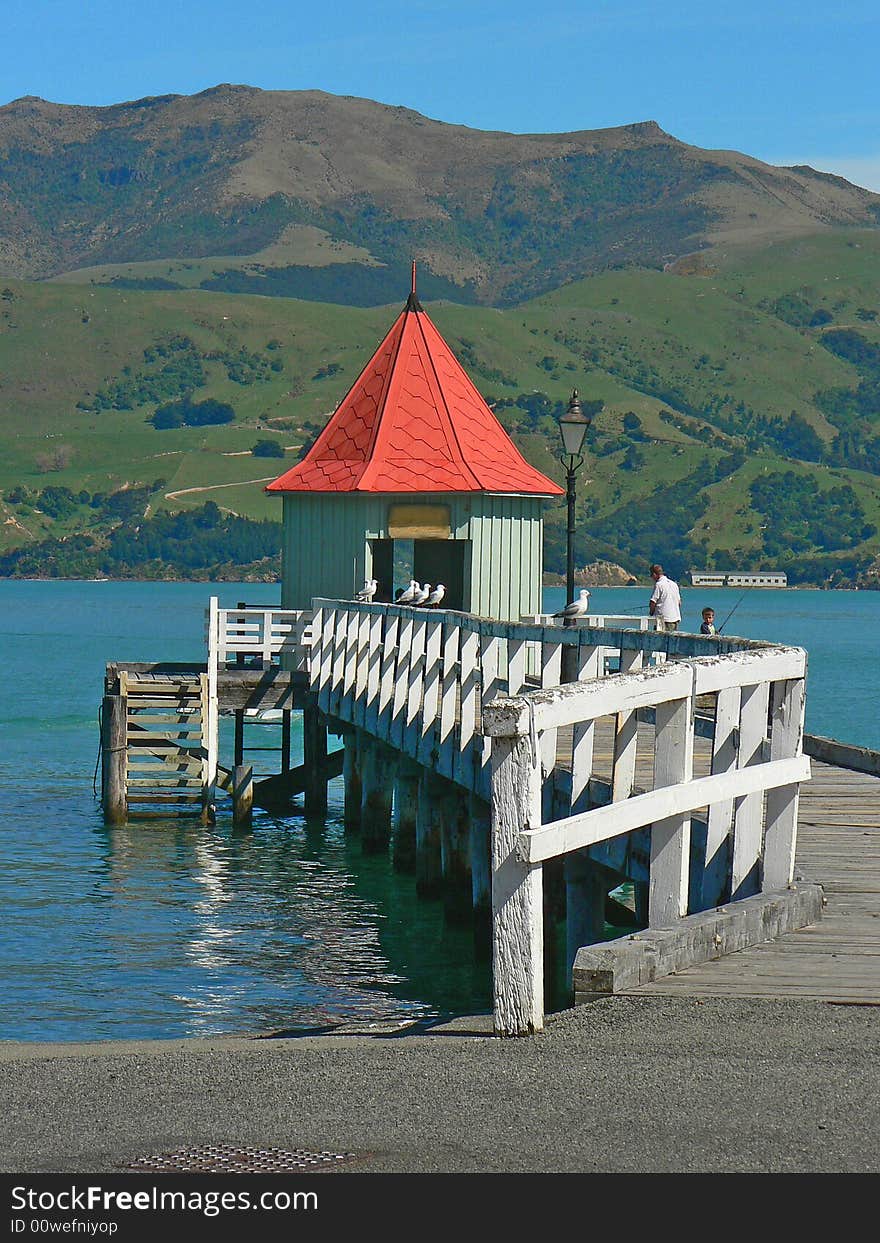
x: 665, y: 603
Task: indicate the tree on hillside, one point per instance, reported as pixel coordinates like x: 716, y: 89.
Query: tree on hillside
x: 189, y: 413
x: 268, y: 448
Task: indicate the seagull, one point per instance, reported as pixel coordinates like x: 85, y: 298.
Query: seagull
x: 366, y: 593
x: 406, y: 597
x: 435, y: 597
x: 421, y: 596
x: 577, y: 608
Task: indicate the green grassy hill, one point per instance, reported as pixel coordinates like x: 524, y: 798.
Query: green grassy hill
x: 741, y: 418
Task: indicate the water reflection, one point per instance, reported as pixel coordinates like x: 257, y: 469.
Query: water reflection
x: 194, y: 930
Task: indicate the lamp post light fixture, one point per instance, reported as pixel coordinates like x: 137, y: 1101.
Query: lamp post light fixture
x: 574, y: 426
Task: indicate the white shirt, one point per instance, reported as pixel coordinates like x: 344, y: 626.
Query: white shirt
x: 667, y: 599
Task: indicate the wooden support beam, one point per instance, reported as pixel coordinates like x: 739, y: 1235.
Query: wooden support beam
x: 406, y: 810
x: 377, y: 790
x: 242, y: 796
x: 480, y: 852
x: 113, y: 759
x: 315, y: 761
x: 429, y: 871
x: 455, y: 853
x: 351, y: 776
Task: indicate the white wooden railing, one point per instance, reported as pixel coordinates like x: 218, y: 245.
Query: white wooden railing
x: 418, y: 679
x: 453, y: 692
x: 750, y: 687
x: 265, y: 634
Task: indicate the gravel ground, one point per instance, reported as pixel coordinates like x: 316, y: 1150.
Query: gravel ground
x: 621, y: 1085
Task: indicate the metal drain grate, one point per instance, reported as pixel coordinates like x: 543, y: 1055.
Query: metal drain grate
x: 237, y: 1159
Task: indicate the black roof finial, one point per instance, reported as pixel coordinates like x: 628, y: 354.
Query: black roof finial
x: 412, y: 302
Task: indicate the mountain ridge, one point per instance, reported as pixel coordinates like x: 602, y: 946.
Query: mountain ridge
x: 493, y: 217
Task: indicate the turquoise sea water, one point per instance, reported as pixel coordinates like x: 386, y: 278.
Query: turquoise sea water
x: 170, y: 929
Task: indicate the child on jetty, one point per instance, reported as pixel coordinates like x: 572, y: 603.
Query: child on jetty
x: 708, y: 624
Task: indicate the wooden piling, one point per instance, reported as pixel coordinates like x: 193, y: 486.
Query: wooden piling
x: 351, y: 775
x: 285, y: 740
x: 377, y: 778
x: 406, y: 806
x: 242, y: 795
x: 315, y: 762
x: 455, y: 853
x: 114, y: 759
x: 429, y: 871
x: 481, y: 865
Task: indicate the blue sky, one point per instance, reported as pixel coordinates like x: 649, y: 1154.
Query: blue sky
x: 787, y: 82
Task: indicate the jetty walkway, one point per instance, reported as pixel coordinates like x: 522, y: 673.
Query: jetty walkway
x: 837, y: 959
x: 539, y: 767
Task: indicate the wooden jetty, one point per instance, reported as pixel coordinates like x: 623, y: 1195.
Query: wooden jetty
x: 674, y: 762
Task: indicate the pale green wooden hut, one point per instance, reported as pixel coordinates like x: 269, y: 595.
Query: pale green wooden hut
x: 413, y: 476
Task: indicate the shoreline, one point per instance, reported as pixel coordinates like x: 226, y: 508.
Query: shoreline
x: 545, y: 582
x: 623, y: 1084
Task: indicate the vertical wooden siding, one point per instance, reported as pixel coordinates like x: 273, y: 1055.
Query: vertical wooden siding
x: 326, y: 548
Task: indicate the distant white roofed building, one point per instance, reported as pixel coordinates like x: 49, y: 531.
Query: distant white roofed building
x: 738, y: 578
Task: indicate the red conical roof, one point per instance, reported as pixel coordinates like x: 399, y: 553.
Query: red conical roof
x: 414, y: 422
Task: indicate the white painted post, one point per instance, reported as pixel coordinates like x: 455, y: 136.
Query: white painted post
x: 266, y: 653
x: 330, y: 620
x: 412, y: 731
x: 491, y: 686
x: 374, y: 671
x: 315, y: 649
x: 431, y: 699
x: 401, y: 681
x: 386, y: 676
x: 517, y: 891
x: 748, y: 813
x: 210, y: 708
x: 469, y: 646
x: 583, y: 735
x: 670, y: 838
x: 349, y: 667
x: 448, y: 701
x: 786, y: 738
x: 517, y: 652
x: 362, y: 667
x: 716, y: 870
x: 339, y: 653
x: 626, y: 736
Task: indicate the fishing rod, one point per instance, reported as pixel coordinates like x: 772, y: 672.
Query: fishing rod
x: 718, y: 629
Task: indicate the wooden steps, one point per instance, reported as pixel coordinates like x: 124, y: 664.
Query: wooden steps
x: 166, y: 762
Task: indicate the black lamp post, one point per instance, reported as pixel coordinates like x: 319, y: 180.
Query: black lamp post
x: 573, y: 425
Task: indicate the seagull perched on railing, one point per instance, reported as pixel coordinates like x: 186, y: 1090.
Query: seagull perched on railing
x: 435, y: 597
x: 577, y: 608
x: 421, y: 595
x: 368, y: 590
x: 407, y: 596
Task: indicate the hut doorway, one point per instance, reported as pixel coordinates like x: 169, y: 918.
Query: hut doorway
x: 396, y: 561
x: 442, y: 561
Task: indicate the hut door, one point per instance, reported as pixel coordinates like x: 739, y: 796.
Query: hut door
x: 442, y: 561
x: 383, y: 569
